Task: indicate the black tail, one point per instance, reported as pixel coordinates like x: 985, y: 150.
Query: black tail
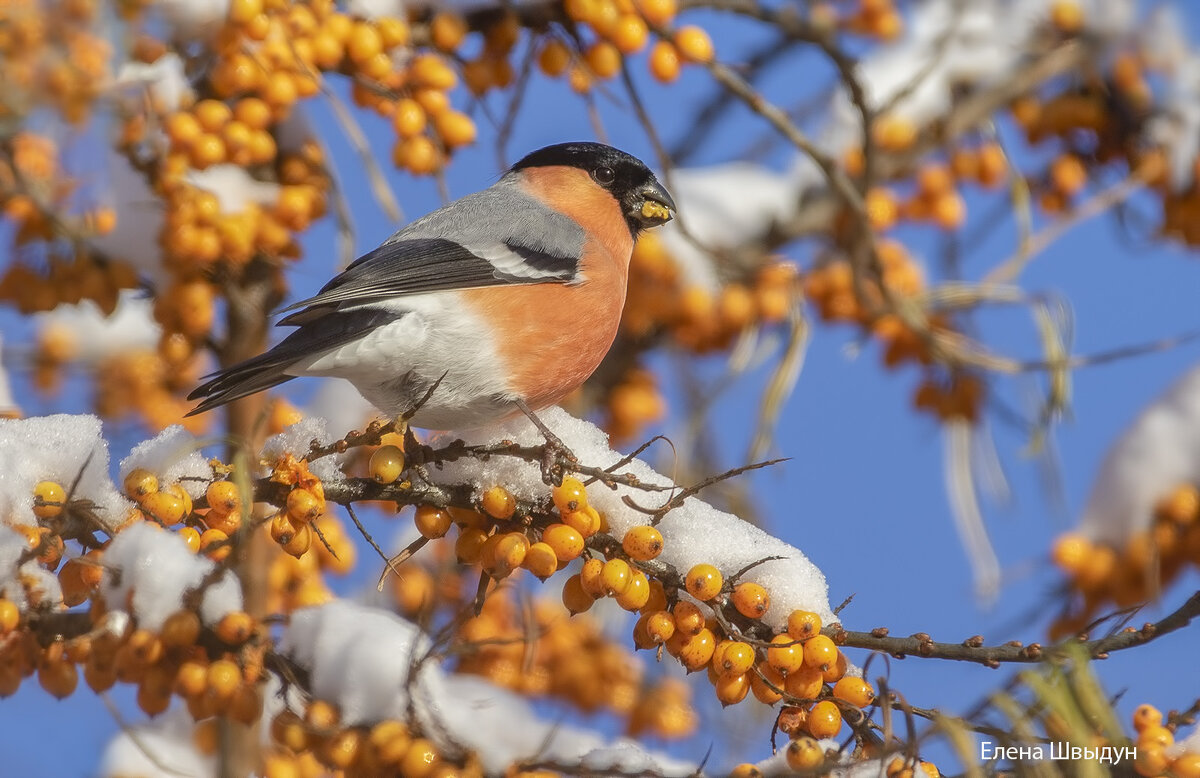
x: 241, y: 380
x: 322, y: 333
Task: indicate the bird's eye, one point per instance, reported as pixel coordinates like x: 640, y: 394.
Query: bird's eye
x: 604, y: 175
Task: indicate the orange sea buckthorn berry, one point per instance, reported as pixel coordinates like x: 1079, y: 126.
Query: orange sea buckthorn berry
x: 386, y: 464
x: 820, y: 652
x: 704, y: 582
x: 244, y: 11
x: 431, y: 70
x: 1146, y: 716
x: 479, y: 75
x: 433, y: 101
x: 1068, y: 174
x: 586, y: 521
x: 732, y: 689
x: 390, y: 740
x: 805, y: 683
x: 1098, y: 568
x: 364, y: 42
x: 212, y: 114
x: 408, y: 118
x: 664, y: 61
x: 641, y: 638
x: 762, y: 691
x: 181, y: 629
x: 642, y: 543
x: 785, y: 654
x: 630, y: 34
x: 224, y: 677
x: 745, y: 769
x: 697, y: 651
x: 393, y: 30
x: 418, y: 155
x: 1070, y: 552
x: 139, y: 484
x: 59, y: 678
x: 1151, y: 761
x: 178, y: 492
x: 615, y: 576
x: 836, y: 671
x: 660, y: 626
x: 456, y: 129
x: 824, y: 720
x: 191, y: 679
x: 191, y: 538
x: 574, y: 597
x: 469, y: 544
x: 303, y: 506
x: 10, y: 616
x: 637, y: 592
x: 164, y: 507
x: 603, y: 59
x: 855, y: 691
x: 48, y: 499
x: 229, y: 523
x: 432, y: 522
x: 341, y: 749
x: 541, y: 560
x: 1156, y: 736
x: 301, y: 541
x: 802, y: 625
x: 590, y: 576
x: 208, y: 150
x: 694, y: 44
x: 736, y: 658
x: 321, y: 716
x: 657, y: 12
x: 1186, y: 765
x: 570, y: 495
x: 183, y: 130
x: 566, y: 541
x: 689, y: 619
x: 235, y: 627
x: 750, y: 599
x: 447, y: 30
x: 1067, y: 16
x: 658, y: 597
x: 498, y: 503
x: 804, y: 753
x: 993, y: 165
x: 420, y: 760
x: 893, y: 133
x: 508, y: 554
x: 554, y: 58
x: 214, y: 543
x: 1182, y: 506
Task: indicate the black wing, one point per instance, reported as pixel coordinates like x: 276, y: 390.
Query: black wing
x: 269, y: 369
x: 418, y: 265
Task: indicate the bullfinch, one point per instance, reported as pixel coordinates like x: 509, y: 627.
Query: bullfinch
x: 502, y: 301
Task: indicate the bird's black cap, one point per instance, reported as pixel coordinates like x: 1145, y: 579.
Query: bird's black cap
x: 622, y: 174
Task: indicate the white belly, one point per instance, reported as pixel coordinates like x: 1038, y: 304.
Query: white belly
x: 393, y: 366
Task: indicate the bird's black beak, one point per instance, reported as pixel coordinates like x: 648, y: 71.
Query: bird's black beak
x: 654, y: 205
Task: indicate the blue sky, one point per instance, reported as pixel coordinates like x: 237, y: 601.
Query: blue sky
x: 862, y: 493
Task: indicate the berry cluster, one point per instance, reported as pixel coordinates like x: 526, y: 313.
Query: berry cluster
x: 946, y: 393
x: 621, y: 28
x: 1156, y: 751
x: 1103, y: 573
x: 317, y: 741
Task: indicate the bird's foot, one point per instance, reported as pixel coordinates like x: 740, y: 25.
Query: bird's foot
x: 554, y: 452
